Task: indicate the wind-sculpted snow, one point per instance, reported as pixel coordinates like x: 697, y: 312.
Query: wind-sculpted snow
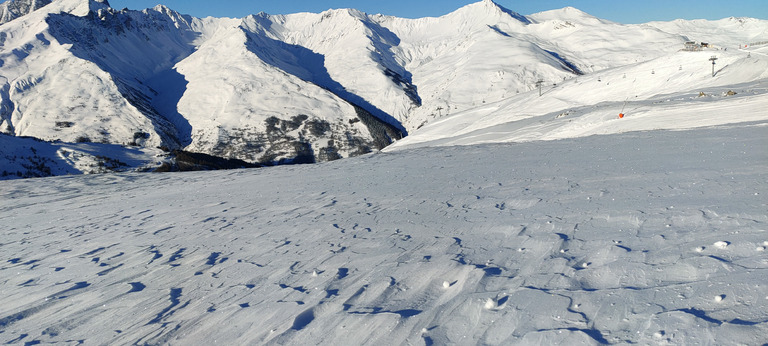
x: 648, y: 238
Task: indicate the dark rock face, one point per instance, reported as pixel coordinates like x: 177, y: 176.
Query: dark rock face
x: 301, y: 139
x: 13, y: 9
x: 184, y: 161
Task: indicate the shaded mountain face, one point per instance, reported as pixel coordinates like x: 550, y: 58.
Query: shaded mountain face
x: 284, y: 88
x: 88, y: 73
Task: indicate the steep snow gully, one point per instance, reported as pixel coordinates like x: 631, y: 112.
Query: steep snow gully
x: 649, y: 238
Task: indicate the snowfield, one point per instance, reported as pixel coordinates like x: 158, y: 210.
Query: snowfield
x: 316, y: 87
x: 654, y: 237
x: 676, y: 91
x: 505, y: 217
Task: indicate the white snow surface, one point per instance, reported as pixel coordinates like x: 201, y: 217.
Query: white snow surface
x: 653, y: 237
x: 504, y: 218
x: 214, y: 84
x: 77, y: 69
x: 676, y: 91
x: 729, y: 32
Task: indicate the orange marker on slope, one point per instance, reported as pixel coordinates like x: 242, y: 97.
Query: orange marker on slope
x: 621, y: 114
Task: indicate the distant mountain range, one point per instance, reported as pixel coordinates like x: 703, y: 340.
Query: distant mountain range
x: 297, y: 88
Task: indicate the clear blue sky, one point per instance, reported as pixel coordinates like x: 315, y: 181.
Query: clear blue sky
x: 622, y: 11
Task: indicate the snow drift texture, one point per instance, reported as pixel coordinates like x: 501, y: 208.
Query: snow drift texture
x: 646, y: 238
x: 504, y: 217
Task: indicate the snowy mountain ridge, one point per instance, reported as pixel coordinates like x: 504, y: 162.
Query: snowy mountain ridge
x: 305, y: 87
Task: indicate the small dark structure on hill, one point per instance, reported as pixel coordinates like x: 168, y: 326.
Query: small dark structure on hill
x: 691, y: 46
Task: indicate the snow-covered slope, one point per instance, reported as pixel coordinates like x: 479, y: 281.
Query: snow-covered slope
x: 343, y: 51
x: 317, y: 87
x: 725, y: 33
x: 556, y: 222
x: 484, y: 53
x: 653, y: 238
x: 29, y: 158
x: 676, y: 91
x: 249, y: 116
x: 594, y: 44
x: 50, y: 90
x: 78, y: 70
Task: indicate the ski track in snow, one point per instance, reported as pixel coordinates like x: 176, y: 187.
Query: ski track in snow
x: 647, y: 237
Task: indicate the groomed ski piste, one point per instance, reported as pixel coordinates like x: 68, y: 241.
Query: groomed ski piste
x: 534, y: 220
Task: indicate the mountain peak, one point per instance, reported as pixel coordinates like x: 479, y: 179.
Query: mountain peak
x: 566, y: 13
x: 98, y: 4
x: 492, y: 8
x: 571, y: 9
x: 13, y: 9
x: 344, y: 12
